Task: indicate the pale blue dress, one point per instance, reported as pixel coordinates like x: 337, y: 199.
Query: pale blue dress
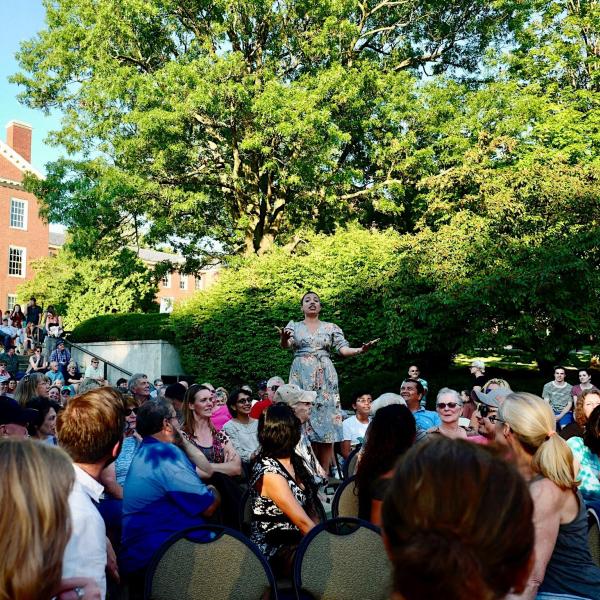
x: 313, y: 370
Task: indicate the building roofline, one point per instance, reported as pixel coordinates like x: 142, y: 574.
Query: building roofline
x: 17, y: 160
x: 20, y: 123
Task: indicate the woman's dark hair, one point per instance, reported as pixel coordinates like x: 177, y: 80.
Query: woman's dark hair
x: 307, y: 293
x: 51, y: 310
x: 279, y: 431
x: 233, y: 398
x: 43, y: 406
x: 390, y: 434
x: 591, y: 436
x: 458, y: 520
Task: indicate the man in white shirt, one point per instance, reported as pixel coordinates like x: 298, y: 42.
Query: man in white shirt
x: 355, y: 427
x: 90, y: 430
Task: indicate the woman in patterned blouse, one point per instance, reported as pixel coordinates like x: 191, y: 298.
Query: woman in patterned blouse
x: 281, y: 489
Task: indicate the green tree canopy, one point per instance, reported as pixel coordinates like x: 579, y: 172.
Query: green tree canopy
x: 241, y: 121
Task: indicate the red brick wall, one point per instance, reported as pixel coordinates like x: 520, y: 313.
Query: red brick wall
x: 18, y: 137
x: 34, y: 238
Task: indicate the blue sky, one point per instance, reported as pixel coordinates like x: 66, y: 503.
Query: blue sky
x: 21, y: 20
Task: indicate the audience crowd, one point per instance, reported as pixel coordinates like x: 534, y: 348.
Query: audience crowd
x: 485, y: 497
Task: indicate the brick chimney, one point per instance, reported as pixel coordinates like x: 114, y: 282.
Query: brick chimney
x: 18, y: 137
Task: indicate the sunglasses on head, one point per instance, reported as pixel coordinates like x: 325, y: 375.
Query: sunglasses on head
x: 447, y: 405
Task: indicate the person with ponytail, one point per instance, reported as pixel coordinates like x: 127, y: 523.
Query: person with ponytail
x: 282, y: 492
x: 526, y: 426
x: 457, y: 523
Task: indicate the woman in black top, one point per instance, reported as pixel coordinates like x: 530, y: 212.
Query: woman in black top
x: 282, y: 492
x: 391, y: 433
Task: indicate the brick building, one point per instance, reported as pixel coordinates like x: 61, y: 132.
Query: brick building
x: 23, y: 234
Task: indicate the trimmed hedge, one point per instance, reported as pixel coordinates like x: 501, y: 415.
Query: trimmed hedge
x: 124, y: 327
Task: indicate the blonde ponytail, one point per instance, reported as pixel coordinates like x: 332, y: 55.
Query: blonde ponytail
x: 532, y: 421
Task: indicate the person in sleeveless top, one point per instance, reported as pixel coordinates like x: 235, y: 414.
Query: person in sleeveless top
x: 283, y: 497
x: 563, y: 565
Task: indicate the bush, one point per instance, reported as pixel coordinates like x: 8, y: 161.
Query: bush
x: 123, y: 327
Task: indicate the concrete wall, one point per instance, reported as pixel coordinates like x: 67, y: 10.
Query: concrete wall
x: 155, y: 358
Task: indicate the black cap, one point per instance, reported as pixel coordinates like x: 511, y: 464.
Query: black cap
x: 175, y: 391
x: 12, y: 412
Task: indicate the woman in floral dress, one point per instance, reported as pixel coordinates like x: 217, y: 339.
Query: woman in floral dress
x: 312, y: 342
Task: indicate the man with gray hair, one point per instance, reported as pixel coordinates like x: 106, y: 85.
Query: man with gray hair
x: 139, y: 386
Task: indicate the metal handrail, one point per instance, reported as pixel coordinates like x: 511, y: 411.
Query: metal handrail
x: 105, y: 362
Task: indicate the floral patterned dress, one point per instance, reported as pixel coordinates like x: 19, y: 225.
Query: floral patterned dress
x: 313, y: 370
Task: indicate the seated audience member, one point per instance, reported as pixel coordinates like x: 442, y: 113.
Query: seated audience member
x: 241, y: 429
x: 53, y: 324
x: 217, y: 448
x: 113, y: 476
x: 8, y: 333
x: 14, y: 419
x: 11, y: 387
x: 412, y: 392
x: 163, y: 492
x: 449, y: 407
x: 159, y: 386
x: 122, y: 385
x: 55, y: 374
x: 88, y: 384
x: 441, y: 549
x: 220, y: 413
x: 139, y: 388
x: 273, y: 385
x: 487, y: 413
x: 585, y: 384
x: 61, y: 356
x: 495, y: 384
x: 301, y: 401
x: 282, y: 492
x: 3, y: 387
x: 34, y: 523
x: 32, y: 385
x: 90, y: 429
x: 558, y: 394
x: 94, y: 371
x: 585, y: 404
x: 563, y: 564
x: 586, y: 454
x: 391, y: 433
x: 4, y: 374
x: 469, y: 407
x: 355, y: 427
x: 414, y: 373
x: 37, y: 362
x: 11, y: 360
x: 74, y: 377
x: 43, y: 427
x: 175, y: 393
x: 54, y: 393
x: 198, y: 428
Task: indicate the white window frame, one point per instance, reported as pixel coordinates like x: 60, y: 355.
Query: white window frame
x: 197, y: 283
x: 11, y: 300
x: 23, y: 261
x: 166, y: 280
x: 14, y: 202
x: 183, y: 282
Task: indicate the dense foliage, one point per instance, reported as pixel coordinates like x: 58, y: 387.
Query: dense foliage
x: 117, y: 327
x: 454, y: 210
x: 81, y: 288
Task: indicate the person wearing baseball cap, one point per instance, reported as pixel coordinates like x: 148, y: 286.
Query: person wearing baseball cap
x: 272, y: 386
x: 487, y: 411
x: 14, y: 419
x: 301, y: 402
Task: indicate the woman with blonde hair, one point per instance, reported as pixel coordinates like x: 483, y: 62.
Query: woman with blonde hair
x: 30, y: 386
x: 563, y: 564
x: 34, y: 523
